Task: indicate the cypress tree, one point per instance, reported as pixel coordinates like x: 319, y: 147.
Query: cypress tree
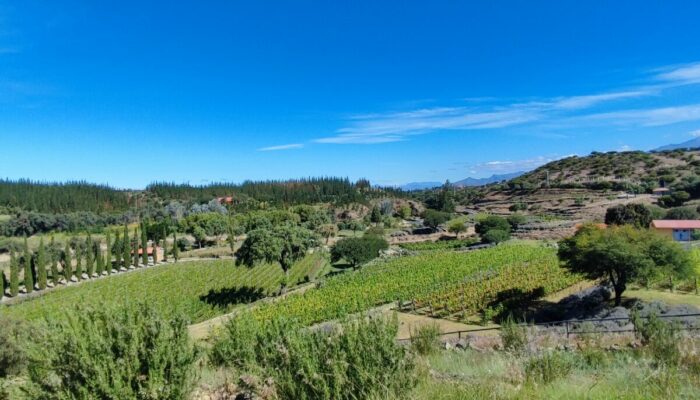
x: 14, y: 275
x: 54, y: 262
x: 89, y: 257
x: 126, y: 248
x: 4, y: 284
x: 67, y: 264
x: 155, y: 252
x: 135, y: 243
x: 176, y: 251
x: 165, y: 249
x: 28, y: 276
x: 117, y: 249
x: 41, y: 265
x: 99, y: 259
x: 108, y: 256
x: 78, y: 262
x: 144, y: 245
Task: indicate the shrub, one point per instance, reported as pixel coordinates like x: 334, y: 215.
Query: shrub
x: 548, y: 367
x: 513, y: 335
x: 433, y: 218
x: 113, y: 353
x: 659, y: 337
x: 495, y: 236
x: 629, y: 214
x: 357, y: 251
x: 357, y: 360
x: 13, y: 358
x: 424, y: 340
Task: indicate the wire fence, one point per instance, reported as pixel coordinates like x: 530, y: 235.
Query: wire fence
x: 686, y: 322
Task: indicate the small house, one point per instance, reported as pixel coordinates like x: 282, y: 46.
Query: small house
x: 662, y: 191
x: 680, y: 230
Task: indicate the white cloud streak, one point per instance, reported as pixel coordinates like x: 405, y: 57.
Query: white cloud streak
x: 290, y: 146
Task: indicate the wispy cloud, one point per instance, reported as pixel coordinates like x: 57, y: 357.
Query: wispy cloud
x: 508, y: 166
x: 648, y: 117
x: 290, y: 146
x: 580, y: 102
x: 681, y: 74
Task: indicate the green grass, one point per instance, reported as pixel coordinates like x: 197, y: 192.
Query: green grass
x: 173, y: 288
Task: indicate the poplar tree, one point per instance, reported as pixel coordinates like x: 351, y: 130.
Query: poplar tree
x: 14, y: 274
x: 67, y: 264
x: 41, y: 265
x: 144, y: 245
x: 54, y: 262
x: 27, y: 261
x: 155, y: 252
x: 89, y: 257
x: 176, y: 251
x: 78, y: 262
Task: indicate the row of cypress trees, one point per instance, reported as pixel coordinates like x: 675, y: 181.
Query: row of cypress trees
x: 90, y: 260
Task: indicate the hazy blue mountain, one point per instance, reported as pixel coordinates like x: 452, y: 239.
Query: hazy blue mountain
x: 487, y: 181
x: 690, y: 144
x: 420, y: 186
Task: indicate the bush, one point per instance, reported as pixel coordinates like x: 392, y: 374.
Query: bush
x: 358, y: 251
x: 424, y: 340
x: 495, y: 236
x: 548, y: 367
x: 358, y: 360
x: 629, y: 214
x: 113, y: 353
x: 516, y: 220
x: 433, y: 218
x: 13, y: 358
x: 660, y: 338
x: 680, y: 213
x: 513, y: 335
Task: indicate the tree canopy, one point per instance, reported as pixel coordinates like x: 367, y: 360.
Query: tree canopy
x: 637, y: 215
x: 357, y: 251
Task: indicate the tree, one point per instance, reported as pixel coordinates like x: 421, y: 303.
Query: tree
x: 358, y: 251
x: 284, y: 244
x: 108, y: 254
x: 41, y: 265
x: 155, y: 252
x: 457, y: 227
x: 404, y: 212
x: 99, y: 259
x: 680, y: 213
x: 327, y: 231
x: 176, y: 250
x: 89, y: 257
x: 445, y: 201
x: 27, y: 262
x: 376, y: 215
x: 14, y: 274
x: 200, y: 235
x: 54, y: 255
x: 126, y: 248
x: 637, y: 215
x: 515, y: 220
x: 135, y: 247
x: 117, y: 250
x: 434, y: 218
x: 495, y: 236
x: 67, y: 263
x: 144, y: 246
x: 623, y: 254
x: 165, y: 250
x: 78, y: 262
x: 492, y: 222
x: 676, y: 199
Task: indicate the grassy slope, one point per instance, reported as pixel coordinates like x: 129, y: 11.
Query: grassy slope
x: 175, y: 287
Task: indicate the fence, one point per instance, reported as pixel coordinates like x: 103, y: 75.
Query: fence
x: 570, y: 326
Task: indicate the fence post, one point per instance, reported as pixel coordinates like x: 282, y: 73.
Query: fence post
x: 566, y: 325
x: 414, y: 305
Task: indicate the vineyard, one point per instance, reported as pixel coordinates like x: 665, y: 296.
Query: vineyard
x: 440, y: 245
x: 447, y: 282
x: 200, y: 289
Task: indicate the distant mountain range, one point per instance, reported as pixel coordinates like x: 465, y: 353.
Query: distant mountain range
x: 690, y: 144
x: 468, y: 182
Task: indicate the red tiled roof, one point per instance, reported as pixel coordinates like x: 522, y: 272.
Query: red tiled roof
x: 662, y: 190
x: 680, y: 224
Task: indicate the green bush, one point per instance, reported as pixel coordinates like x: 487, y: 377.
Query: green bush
x: 13, y: 358
x: 424, y: 340
x: 128, y: 352
x: 357, y: 360
x: 495, y: 236
x: 659, y: 337
x: 357, y: 251
x: 548, y: 367
x: 513, y: 335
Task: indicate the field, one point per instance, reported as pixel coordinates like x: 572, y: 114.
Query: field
x: 199, y: 289
x: 421, y: 276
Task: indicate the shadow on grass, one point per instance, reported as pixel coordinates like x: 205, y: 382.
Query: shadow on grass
x: 232, y: 296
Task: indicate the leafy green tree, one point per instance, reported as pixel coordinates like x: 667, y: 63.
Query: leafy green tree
x: 405, y: 212
x: 375, y: 216
x: 67, y: 263
x: 14, y: 274
x: 41, y: 265
x: 637, y: 215
x: 135, y: 247
x: 433, y: 218
x: 117, y: 250
x: 284, y: 244
x: 623, y: 254
x: 89, y: 257
x: 200, y: 235
x: 27, y: 262
x: 99, y: 259
x: 676, y: 199
x: 358, y: 251
x: 457, y: 227
x: 108, y: 254
x: 681, y: 213
x: 445, y: 200
x: 495, y: 236
x: 515, y: 220
x: 492, y: 222
x: 327, y: 231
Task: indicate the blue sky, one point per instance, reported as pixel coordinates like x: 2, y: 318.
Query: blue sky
x: 130, y: 92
